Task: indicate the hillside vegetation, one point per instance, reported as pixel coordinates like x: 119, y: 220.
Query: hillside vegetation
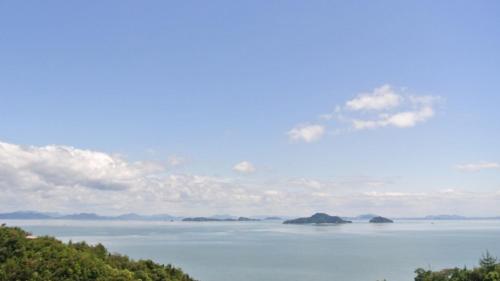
x: 27, y: 258
x: 488, y: 270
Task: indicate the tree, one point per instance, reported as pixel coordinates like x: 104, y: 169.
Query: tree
x: 488, y: 262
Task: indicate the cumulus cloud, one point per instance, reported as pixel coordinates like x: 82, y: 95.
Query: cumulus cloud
x: 474, y: 167
x: 383, y: 97
x: 244, y: 167
x: 67, y: 166
x: 59, y: 178
x: 68, y: 179
x: 306, y: 132
x: 404, y: 119
x: 394, y: 109
x: 384, y: 106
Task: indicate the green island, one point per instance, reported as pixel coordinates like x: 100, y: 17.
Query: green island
x: 318, y: 218
x: 380, y: 220
x: 24, y: 257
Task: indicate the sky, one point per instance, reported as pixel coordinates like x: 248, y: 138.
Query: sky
x: 250, y: 107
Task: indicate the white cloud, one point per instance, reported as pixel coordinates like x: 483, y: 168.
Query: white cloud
x: 307, y: 183
x: 271, y: 192
x: 474, y: 167
x: 321, y: 194
x: 383, y: 97
x: 306, y: 133
x: 68, y: 179
x: 384, y: 106
x: 410, y: 118
x: 392, y: 194
x: 64, y: 178
x: 244, y: 167
x: 67, y: 166
x: 404, y: 119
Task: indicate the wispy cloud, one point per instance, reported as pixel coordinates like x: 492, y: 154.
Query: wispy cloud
x: 404, y: 119
x: 306, y: 133
x: 244, y: 167
x: 474, y: 167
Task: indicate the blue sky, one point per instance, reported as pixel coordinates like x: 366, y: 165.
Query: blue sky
x: 213, y: 84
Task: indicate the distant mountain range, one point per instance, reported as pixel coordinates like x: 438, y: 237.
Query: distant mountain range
x: 34, y: 215
x: 28, y: 215
x: 450, y: 217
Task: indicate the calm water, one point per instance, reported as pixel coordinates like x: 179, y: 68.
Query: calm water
x: 271, y: 251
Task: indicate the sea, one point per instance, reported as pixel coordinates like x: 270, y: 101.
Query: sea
x: 272, y: 251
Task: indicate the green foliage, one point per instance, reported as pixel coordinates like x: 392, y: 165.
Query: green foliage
x: 47, y: 259
x: 488, y: 262
x: 488, y: 270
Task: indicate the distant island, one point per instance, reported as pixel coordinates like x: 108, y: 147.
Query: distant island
x: 318, y: 218
x: 362, y: 217
x: 34, y: 215
x: 26, y: 215
x: 273, y: 218
x: 208, y: 219
x: 26, y: 257
x: 445, y: 217
x: 380, y: 220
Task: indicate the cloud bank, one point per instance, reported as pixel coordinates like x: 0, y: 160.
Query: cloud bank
x: 68, y: 179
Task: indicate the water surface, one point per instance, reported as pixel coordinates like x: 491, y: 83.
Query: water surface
x: 271, y: 251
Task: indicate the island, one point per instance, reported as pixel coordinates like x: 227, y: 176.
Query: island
x: 445, y: 217
x: 273, y: 218
x: 381, y: 220
x: 207, y: 219
x: 318, y: 218
x: 24, y: 256
x: 247, y: 219
x: 365, y: 217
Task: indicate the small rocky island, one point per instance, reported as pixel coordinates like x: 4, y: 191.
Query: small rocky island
x: 381, y: 220
x: 318, y: 218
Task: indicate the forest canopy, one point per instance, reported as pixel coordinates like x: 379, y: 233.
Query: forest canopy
x: 27, y: 258
x: 488, y: 270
